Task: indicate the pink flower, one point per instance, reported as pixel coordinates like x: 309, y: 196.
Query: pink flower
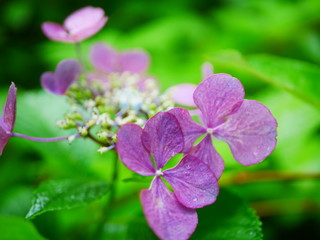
x: 171, y: 215
x: 108, y: 60
x: 247, y: 126
x: 8, y: 117
x: 66, y: 73
x: 78, y: 26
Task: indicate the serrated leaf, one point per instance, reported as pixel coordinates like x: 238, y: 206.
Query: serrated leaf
x: 17, y: 228
x: 230, y: 217
x: 65, y: 194
x: 296, y: 77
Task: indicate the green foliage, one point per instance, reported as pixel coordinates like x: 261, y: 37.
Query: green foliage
x: 65, y: 194
x: 230, y: 217
x: 17, y: 228
x: 294, y: 76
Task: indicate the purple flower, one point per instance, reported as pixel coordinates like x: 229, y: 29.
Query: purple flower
x: 247, y: 126
x: 108, y: 60
x: 67, y: 72
x: 8, y: 117
x: 78, y: 26
x: 171, y: 215
x: 182, y: 94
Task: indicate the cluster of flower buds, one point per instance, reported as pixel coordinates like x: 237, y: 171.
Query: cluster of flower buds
x: 119, y: 106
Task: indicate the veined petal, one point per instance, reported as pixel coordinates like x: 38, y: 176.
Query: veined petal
x: 165, y: 215
x: 9, y: 111
x: 217, y: 97
x: 134, y: 61
x: 182, y: 94
x: 104, y: 58
x: 85, y: 22
x: 194, y: 184
x: 206, y: 70
x: 56, y: 32
x: 131, y: 150
x: 206, y: 152
x: 190, y: 129
x: 250, y: 132
x: 163, y: 137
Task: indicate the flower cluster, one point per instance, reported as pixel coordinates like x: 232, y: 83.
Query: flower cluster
x: 118, y: 105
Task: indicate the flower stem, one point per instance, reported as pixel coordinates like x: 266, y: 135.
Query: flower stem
x: 38, y: 139
x: 96, y: 140
x: 79, y: 53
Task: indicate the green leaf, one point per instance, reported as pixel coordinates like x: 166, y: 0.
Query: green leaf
x: 230, y: 217
x: 296, y: 77
x: 65, y: 194
x: 17, y: 228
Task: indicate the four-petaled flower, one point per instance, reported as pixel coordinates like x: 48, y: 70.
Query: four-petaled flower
x: 66, y: 73
x: 78, y: 26
x: 171, y: 215
x: 8, y: 117
x: 247, y: 126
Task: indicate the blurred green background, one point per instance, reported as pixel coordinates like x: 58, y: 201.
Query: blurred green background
x: 272, y: 46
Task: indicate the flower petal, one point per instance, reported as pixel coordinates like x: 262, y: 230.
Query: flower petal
x: 217, y: 97
x: 85, y: 22
x: 194, y: 184
x: 48, y: 82
x: 131, y: 150
x: 4, y: 136
x: 165, y: 215
x: 182, y: 94
x: 206, y: 152
x: 9, y: 111
x: 67, y: 72
x: 56, y: 32
x: 8, y: 118
x: 134, y: 61
x: 190, y: 129
x: 250, y: 132
x: 207, y: 70
x: 162, y: 136
x: 104, y: 58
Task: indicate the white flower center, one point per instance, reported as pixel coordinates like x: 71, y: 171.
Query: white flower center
x: 210, y: 130
x: 159, y: 173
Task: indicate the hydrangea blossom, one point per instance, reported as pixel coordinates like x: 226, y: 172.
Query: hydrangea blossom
x: 8, y: 117
x: 247, y: 126
x: 108, y: 60
x: 66, y: 73
x: 78, y: 26
x: 171, y: 215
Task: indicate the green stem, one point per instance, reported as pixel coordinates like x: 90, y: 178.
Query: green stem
x: 96, y: 140
x: 79, y: 53
x: 108, y: 206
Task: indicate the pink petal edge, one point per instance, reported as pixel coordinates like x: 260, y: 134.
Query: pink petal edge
x: 165, y: 215
x: 250, y: 132
x: 131, y: 150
